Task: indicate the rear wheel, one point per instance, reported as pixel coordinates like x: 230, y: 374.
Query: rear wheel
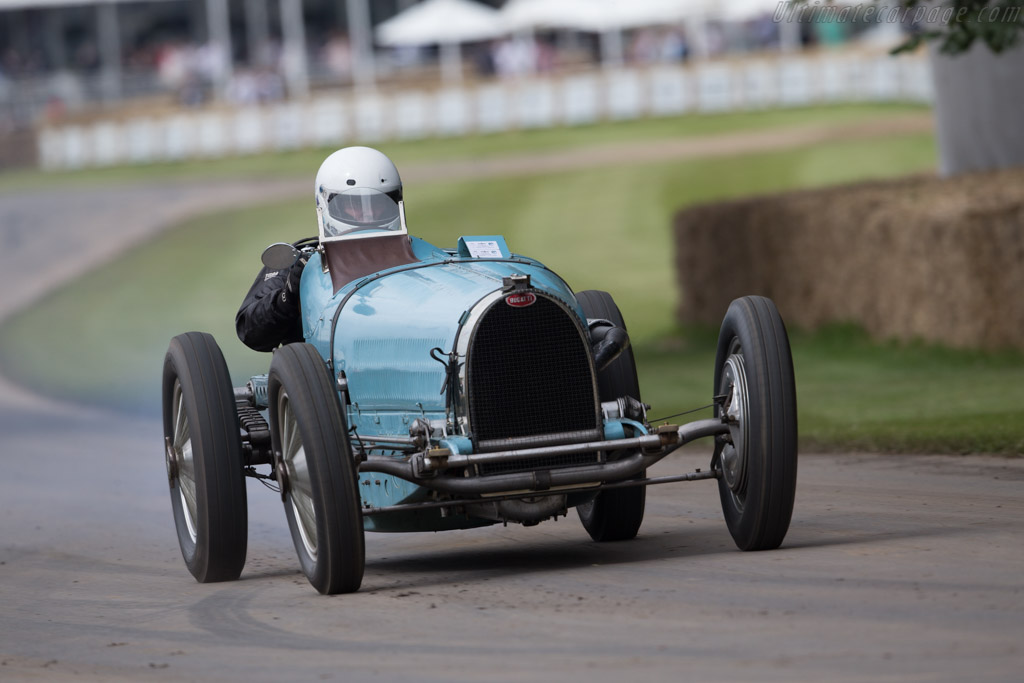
x: 317, y: 471
x: 203, y: 451
x: 614, y: 515
x: 754, y: 374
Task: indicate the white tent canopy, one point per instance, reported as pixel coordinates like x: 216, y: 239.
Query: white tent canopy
x: 440, y: 21
x: 43, y: 4
x: 607, y: 17
x: 740, y: 10
x: 528, y: 15
x: 616, y: 15
x: 599, y: 16
x: 789, y: 26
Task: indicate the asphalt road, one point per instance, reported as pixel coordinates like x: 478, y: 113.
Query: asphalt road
x: 49, y: 238
x: 895, y: 568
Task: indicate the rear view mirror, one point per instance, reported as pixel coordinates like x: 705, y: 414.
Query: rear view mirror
x: 279, y: 256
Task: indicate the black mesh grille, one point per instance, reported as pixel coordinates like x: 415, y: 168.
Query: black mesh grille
x: 529, y: 373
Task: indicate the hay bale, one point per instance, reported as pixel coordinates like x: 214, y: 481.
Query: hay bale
x: 920, y: 258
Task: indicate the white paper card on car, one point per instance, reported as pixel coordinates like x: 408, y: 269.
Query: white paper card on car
x: 483, y: 249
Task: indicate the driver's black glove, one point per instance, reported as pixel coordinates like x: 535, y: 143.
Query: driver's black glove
x: 290, y: 293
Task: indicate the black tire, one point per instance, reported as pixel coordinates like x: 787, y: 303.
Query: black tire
x: 310, y: 439
x: 203, y: 450
x: 758, y: 485
x: 614, y: 515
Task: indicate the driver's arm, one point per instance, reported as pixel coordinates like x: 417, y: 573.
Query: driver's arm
x: 270, y: 314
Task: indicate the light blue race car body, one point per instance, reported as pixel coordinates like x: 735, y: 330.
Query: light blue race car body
x: 443, y: 389
x: 379, y: 331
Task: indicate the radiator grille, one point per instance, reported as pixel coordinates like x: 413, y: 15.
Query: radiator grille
x: 529, y: 373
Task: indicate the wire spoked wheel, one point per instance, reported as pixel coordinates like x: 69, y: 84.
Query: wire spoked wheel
x: 181, y: 464
x: 203, y: 456
x: 315, y: 467
x: 757, y: 461
x: 736, y: 407
x: 296, y: 473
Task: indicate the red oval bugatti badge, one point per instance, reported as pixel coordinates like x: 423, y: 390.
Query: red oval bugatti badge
x: 521, y: 300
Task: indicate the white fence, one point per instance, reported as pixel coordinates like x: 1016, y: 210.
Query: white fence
x: 338, y: 119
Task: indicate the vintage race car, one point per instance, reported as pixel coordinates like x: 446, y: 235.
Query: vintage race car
x: 454, y: 388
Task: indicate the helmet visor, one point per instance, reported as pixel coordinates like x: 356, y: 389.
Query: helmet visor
x: 362, y: 208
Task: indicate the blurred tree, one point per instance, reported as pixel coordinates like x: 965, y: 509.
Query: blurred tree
x: 955, y: 25
x: 977, y: 58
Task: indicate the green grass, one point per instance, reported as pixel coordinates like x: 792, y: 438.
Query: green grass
x: 305, y: 162
x: 855, y: 394
x: 103, y: 339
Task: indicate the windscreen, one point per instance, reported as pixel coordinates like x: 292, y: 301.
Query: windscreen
x: 359, y: 209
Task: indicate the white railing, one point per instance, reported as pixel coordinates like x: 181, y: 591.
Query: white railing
x: 368, y: 117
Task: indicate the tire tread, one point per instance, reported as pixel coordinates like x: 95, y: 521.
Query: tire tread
x: 614, y: 515
x: 195, y: 360
x: 302, y: 372
x: 765, y: 519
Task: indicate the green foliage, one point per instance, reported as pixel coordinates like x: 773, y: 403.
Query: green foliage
x: 955, y: 24
x: 997, y: 23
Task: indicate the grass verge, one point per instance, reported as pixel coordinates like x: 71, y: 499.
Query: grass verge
x: 102, y: 340
x: 856, y: 394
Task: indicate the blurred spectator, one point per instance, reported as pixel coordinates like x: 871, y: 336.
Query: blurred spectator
x: 87, y: 57
x: 192, y: 92
x: 244, y: 87
x: 67, y: 90
x: 211, y: 62
x: 270, y: 86
x: 172, y: 65
x: 515, y: 57
x: 715, y: 37
x: 765, y: 32
x: 54, y: 110
x: 483, y: 59
x: 179, y: 69
x: 193, y: 70
x: 643, y: 49
x: 337, y: 57
x: 545, y: 56
x: 673, y: 46
x: 658, y: 45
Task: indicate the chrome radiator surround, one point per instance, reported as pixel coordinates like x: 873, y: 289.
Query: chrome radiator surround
x: 526, y: 372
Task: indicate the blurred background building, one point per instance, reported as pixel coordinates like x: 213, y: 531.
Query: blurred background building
x: 93, y: 82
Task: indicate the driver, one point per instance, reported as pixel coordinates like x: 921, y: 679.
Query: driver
x: 358, y: 194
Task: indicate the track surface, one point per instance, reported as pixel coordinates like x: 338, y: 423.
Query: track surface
x: 895, y: 567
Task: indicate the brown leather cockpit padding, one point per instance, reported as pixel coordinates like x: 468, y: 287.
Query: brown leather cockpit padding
x: 350, y: 260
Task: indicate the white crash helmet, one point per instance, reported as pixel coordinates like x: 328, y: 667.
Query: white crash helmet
x: 358, y: 195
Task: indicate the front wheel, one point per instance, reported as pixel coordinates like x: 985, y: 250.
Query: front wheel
x: 203, y: 449
x: 317, y: 471
x: 614, y: 515
x: 757, y: 461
